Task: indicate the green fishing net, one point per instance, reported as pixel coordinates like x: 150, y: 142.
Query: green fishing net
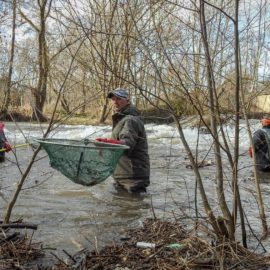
x: 84, y: 162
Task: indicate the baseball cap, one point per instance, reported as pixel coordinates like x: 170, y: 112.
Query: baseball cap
x: 119, y: 92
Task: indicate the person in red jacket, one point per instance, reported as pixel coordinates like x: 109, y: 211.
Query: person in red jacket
x: 4, y: 145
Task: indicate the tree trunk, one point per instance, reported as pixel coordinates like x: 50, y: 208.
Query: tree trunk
x: 43, y: 62
x: 6, y: 102
x: 212, y: 107
x: 237, y: 199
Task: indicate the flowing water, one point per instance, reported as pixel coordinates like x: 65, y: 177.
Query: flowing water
x: 71, y: 217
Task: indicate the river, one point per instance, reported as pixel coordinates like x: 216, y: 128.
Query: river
x: 71, y: 217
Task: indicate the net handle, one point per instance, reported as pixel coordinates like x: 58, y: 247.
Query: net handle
x: 96, y: 143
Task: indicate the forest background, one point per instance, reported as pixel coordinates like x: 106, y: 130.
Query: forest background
x: 80, y: 50
x: 59, y: 59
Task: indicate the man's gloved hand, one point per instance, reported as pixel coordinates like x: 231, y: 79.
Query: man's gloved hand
x: 7, y: 146
x: 108, y: 140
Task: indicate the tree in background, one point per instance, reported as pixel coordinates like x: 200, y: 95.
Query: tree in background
x: 6, y: 98
x: 40, y: 90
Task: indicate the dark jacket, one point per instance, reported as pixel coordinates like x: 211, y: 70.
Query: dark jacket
x: 129, y: 128
x: 261, y: 142
x: 2, y: 143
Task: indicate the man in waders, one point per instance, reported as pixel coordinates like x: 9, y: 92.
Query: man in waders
x: 133, y: 169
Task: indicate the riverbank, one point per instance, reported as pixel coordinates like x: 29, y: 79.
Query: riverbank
x: 153, y: 115
x: 158, y: 244
x: 77, y: 119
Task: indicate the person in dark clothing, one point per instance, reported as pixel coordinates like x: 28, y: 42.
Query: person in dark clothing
x: 261, y: 142
x: 132, y: 172
x: 4, y: 145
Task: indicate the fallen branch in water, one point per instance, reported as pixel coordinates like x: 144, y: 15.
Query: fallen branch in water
x: 19, y: 226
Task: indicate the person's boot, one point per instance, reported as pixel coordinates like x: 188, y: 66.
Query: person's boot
x: 137, y: 190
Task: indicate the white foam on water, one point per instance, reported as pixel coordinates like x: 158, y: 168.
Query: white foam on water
x: 156, y: 133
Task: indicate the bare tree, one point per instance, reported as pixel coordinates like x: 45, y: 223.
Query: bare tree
x: 39, y: 92
x: 50, y: 127
x: 6, y: 99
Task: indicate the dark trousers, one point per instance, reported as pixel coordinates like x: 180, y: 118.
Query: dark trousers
x: 2, y: 156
